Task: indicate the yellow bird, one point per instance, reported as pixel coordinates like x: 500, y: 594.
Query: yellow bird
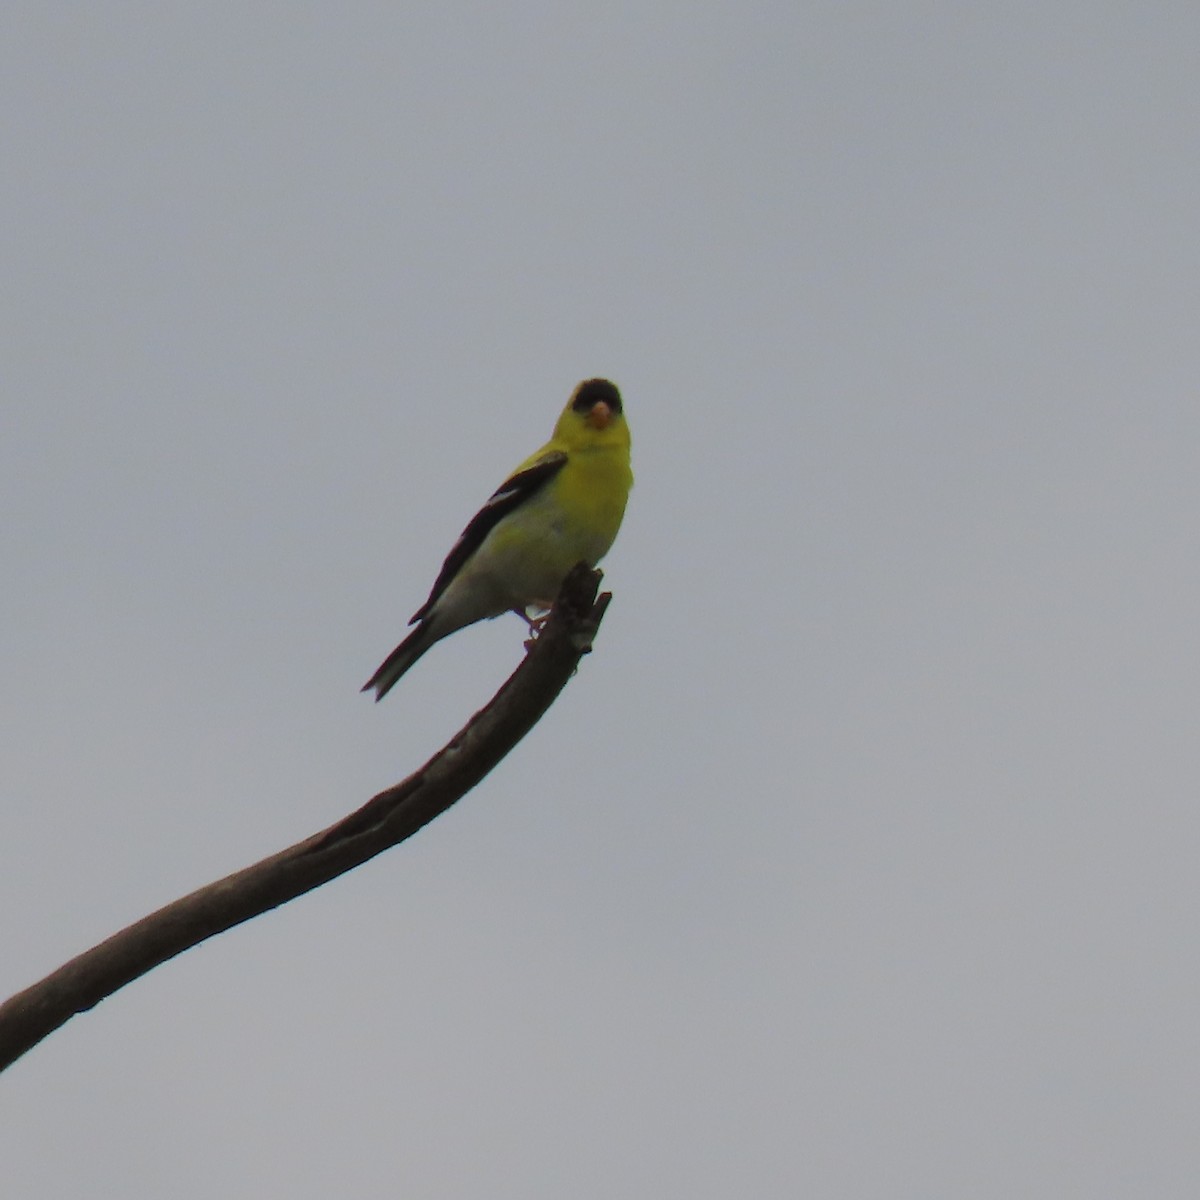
x: 561, y: 506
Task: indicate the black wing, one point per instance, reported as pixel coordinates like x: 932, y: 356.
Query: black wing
x: 508, y: 497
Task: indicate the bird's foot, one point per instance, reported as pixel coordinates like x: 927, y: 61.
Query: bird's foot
x: 536, y: 624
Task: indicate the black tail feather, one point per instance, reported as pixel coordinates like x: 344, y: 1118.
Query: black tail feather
x: 399, y: 661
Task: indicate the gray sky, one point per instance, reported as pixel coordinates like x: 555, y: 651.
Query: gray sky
x: 861, y: 858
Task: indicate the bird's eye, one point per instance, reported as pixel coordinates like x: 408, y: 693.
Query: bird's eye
x: 592, y: 391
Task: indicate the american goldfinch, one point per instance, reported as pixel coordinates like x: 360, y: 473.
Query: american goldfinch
x: 561, y: 506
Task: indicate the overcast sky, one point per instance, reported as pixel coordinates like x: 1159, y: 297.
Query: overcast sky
x: 861, y: 859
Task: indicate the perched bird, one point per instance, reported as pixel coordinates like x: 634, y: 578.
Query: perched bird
x: 561, y: 506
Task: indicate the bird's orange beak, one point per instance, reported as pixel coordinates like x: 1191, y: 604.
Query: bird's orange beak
x: 599, y: 415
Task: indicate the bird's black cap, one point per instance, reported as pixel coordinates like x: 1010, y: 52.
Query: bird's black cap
x: 592, y: 391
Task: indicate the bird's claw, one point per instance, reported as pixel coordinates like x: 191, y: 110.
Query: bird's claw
x: 536, y: 625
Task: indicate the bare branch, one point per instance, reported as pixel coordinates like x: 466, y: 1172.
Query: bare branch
x: 384, y: 821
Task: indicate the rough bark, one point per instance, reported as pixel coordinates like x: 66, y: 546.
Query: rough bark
x: 383, y: 822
